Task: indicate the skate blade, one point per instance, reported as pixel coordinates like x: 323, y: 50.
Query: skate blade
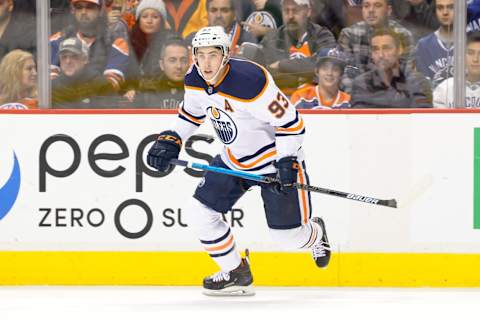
x: 234, y: 291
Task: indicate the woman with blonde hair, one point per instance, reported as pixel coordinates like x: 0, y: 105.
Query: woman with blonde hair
x: 18, y: 81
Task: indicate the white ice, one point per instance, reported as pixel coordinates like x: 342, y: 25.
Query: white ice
x: 295, y: 303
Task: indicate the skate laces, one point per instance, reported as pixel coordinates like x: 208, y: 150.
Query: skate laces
x: 220, y: 276
x: 320, y: 249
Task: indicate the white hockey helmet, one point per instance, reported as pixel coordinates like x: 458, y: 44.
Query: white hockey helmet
x: 211, y: 37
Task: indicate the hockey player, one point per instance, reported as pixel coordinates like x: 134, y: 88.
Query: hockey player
x: 262, y: 133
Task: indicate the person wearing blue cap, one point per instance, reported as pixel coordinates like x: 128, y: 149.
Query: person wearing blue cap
x: 326, y: 94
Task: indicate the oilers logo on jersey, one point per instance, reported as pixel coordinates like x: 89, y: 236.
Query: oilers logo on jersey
x: 223, y: 125
x: 263, y: 18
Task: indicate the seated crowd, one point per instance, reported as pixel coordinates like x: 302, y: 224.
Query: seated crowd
x: 324, y: 54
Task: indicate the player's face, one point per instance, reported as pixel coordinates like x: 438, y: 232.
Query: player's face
x: 294, y: 16
x: 385, y: 53
x: 71, y: 63
x: 86, y: 13
x: 220, y: 13
x: 444, y: 11
x: 175, y: 62
x: 29, y: 74
x: 209, y: 60
x: 329, y: 74
x: 375, y: 12
x: 473, y: 59
x: 150, y: 21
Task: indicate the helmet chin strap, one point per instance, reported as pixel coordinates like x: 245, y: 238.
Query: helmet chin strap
x: 223, y: 64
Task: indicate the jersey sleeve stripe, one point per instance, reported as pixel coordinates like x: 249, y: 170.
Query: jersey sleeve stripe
x: 291, y: 123
x: 189, y: 121
x: 289, y: 134
x: 197, y: 120
x: 299, y: 127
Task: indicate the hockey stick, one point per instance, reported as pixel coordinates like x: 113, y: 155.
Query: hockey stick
x: 392, y: 203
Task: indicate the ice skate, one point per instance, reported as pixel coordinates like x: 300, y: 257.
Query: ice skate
x: 321, y: 250
x: 237, y: 282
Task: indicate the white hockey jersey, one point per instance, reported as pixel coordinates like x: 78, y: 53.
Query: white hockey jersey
x: 443, y: 96
x: 251, y: 116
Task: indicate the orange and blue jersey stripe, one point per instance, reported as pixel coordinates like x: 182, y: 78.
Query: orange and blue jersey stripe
x: 193, y: 119
x: 221, y: 246
x: 294, y: 127
x: 256, y: 161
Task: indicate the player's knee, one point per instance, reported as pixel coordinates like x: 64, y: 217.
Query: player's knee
x: 199, y: 216
x: 289, y: 238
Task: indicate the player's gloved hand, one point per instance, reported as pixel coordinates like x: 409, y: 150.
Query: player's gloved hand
x: 166, y: 148
x: 287, y: 170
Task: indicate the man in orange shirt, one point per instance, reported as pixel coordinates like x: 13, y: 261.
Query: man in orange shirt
x: 326, y: 95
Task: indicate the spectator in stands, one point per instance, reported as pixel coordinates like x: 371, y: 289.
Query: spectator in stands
x: 355, y: 40
x: 390, y: 84
x: 418, y: 16
x: 434, y: 53
x: 326, y: 94
x: 18, y: 81
x: 267, y: 16
x: 443, y: 96
x: 147, y: 38
x: 222, y: 13
x: 109, y: 52
x: 166, y: 92
x: 17, y: 31
x: 77, y: 85
x: 290, y: 51
x: 185, y: 17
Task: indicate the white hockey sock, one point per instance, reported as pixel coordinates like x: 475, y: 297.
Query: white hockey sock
x: 214, y: 234
x: 302, y: 237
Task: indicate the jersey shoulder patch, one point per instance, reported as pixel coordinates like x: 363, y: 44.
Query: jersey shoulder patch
x: 245, y: 81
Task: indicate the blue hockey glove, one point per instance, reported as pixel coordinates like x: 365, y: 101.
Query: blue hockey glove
x: 166, y: 148
x: 287, y: 170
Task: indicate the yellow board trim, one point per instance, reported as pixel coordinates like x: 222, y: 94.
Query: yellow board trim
x: 269, y: 269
